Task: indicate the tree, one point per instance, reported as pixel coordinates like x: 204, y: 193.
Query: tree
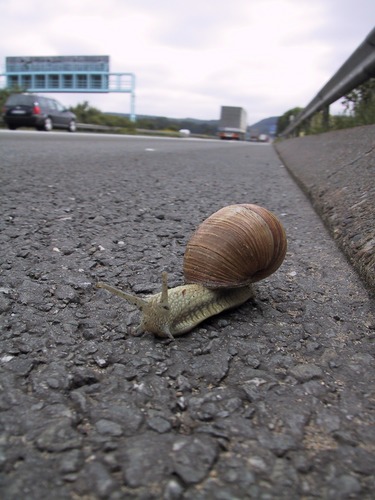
x: 360, y: 103
x: 5, y: 93
x: 88, y: 114
x: 284, y: 120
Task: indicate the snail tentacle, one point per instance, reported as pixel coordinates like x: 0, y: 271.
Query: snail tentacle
x: 133, y: 299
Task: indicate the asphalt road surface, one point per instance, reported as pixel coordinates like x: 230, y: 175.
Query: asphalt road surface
x: 273, y: 400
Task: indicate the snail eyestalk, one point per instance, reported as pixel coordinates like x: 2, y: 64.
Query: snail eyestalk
x: 155, y: 309
x: 133, y: 299
x: 164, y: 291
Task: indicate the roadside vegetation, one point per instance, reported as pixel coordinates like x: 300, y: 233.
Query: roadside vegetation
x: 93, y: 116
x: 4, y: 94
x: 148, y: 124
x: 359, y: 109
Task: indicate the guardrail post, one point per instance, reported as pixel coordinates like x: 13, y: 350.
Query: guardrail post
x: 132, y: 107
x: 325, y: 118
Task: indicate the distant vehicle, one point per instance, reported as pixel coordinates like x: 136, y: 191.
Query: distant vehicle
x: 263, y: 138
x: 232, y: 124
x: 254, y: 135
x: 42, y: 113
x: 184, y: 132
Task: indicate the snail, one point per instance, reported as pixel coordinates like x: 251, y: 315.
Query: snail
x: 233, y: 248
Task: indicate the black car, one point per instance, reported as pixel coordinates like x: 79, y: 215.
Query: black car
x: 43, y: 113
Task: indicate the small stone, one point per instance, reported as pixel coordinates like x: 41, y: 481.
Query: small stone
x: 345, y: 437
x: 71, y: 461
x: 58, y: 436
x: 20, y: 366
x: 258, y: 464
x: 329, y: 421
x: 159, y: 424
x: 312, y: 346
x: 311, y: 328
x: 101, y: 361
x: 211, y: 367
x: 252, y: 361
x: 100, y: 479
x: 108, y: 427
x: 305, y: 372
x: 279, y: 444
x: 146, y: 459
x: 183, y: 383
x: 345, y: 487
x: 173, y: 490
x: 301, y: 462
x: 66, y: 293
x: 5, y: 304
x: 53, y: 383
x: 193, y: 457
x: 127, y: 417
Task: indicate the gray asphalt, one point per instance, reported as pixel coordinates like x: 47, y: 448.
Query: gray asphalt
x: 272, y: 400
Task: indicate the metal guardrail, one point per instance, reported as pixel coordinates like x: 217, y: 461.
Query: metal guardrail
x: 89, y: 127
x: 97, y: 128
x: 356, y: 70
x: 84, y: 126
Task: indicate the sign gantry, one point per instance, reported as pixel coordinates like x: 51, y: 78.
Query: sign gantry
x: 74, y: 74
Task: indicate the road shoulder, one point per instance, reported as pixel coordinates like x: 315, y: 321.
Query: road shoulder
x: 336, y: 171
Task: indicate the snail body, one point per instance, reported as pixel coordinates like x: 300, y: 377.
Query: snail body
x: 178, y: 310
x: 233, y: 248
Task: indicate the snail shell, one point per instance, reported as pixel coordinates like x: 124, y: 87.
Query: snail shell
x: 235, y: 246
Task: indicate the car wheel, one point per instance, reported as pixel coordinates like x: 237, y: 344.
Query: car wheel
x: 72, y: 126
x: 12, y: 127
x: 48, y: 125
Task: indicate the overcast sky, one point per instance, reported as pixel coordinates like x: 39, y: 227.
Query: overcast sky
x: 190, y: 57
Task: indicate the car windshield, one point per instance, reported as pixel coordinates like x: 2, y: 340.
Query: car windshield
x: 20, y: 99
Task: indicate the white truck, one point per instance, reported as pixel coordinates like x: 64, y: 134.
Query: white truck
x: 232, y: 124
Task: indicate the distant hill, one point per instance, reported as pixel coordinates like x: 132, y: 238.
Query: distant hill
x: 266, y: 126
x: 206, y: 127
x: 152, y: 117
x: 197, y: 126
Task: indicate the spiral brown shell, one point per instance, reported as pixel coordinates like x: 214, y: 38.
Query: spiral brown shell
x: 235, y: 246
